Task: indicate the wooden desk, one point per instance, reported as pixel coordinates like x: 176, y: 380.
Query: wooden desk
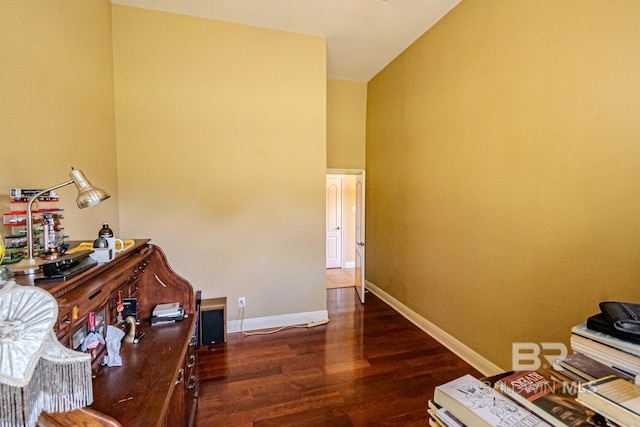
x: 157, y: 384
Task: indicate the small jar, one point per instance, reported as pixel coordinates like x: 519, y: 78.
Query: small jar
x: 105, y: 231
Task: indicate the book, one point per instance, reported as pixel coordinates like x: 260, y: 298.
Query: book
x: 475, y: 403
x: 619, y: 366
x: 167, y: 310
x: 586, y: 367
x: 433, y: 416
x: 448, y: 419
x: 563, y: 375
x: 443, y: 416
x: 611, y: 356
x: 614, y: 398
x: 432, y: 410
x: 433, y: 405
x: 551, y: 401
x: 169, y: 319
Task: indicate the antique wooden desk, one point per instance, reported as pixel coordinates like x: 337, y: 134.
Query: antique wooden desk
x: 157, y: 384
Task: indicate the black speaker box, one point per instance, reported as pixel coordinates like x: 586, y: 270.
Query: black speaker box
x: 213, y: 321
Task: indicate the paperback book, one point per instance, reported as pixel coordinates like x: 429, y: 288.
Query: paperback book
x: 475, y: 403
x: 551, y: 401
x: 586, y: 367
x: 615, y: 398
x: 563, y: 376
x: 442, y: 416
x: 610, y: 356
x: 448, y: 419
x: 167, y: 313
x: 623, y: 344
x: 167, y: 310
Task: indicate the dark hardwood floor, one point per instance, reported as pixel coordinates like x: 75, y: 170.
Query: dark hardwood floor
x: 368, y: 366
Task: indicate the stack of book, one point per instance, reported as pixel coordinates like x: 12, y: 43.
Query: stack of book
x: 530, y: 398
x: 594, y: 386
x: 611, y: 337
x: 623, y: 355
x: 577, y: 368
x: 167, y: 313
x: 467, y: 401
x: 611, y: 340
x: 516, y: 399
x: 618, y: 400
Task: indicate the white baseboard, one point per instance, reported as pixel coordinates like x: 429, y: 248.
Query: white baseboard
x: 350, y: 264
x: 485, y: 366
x: 270, y: 322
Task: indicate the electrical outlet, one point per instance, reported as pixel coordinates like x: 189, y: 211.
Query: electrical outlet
x: 241, y: 302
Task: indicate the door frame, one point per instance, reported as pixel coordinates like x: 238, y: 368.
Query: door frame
x: 334, y: 171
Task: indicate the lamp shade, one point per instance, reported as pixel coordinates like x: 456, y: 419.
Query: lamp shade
x: 88, y: 195
x: 37, y: 373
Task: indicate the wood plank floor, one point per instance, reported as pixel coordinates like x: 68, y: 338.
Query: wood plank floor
x: 340, y: 277
x: 368, y: 367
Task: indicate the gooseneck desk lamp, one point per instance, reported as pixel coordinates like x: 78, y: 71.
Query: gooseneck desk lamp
x: 88, y: 195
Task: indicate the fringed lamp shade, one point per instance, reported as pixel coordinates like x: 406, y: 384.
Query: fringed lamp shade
x: 37, y: 373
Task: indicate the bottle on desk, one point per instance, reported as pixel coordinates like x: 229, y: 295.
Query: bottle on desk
x: 105, y: 231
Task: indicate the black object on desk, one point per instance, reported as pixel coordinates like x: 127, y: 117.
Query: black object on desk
x: 66, y: 267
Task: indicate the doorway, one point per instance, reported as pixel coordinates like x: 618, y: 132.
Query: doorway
x: 345, y: 229
x: 336, y: 220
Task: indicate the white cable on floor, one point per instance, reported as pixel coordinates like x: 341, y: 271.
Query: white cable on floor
x: 266, y: 332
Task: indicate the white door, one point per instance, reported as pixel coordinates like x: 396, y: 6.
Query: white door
x: 334, y: 222
x: 360, y: 237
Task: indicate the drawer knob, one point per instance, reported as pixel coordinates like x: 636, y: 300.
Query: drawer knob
x: 192, y: 381
x: 180, y: 376
x: 192, y: 361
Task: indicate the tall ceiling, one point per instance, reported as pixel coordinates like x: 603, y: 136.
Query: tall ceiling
x: 363, y: 36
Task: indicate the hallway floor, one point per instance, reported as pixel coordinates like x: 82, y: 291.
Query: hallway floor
x: 340, y: 278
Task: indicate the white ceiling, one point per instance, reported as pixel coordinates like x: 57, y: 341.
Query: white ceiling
x: 363, y: 36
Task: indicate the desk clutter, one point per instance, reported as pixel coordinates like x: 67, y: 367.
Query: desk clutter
x: 167, y: 313
x: 102, y: 252
x: 49, y: 235
x: 66, y: 267
x: 106, y: 311
x: 597, y: 385
x: 36, y: 217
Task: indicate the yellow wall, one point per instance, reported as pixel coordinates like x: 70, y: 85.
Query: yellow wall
x: 56, y: 108
x: 346, y: 124
x: 503, y: 170
x: 346, y: 141
x: 221, y: 154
